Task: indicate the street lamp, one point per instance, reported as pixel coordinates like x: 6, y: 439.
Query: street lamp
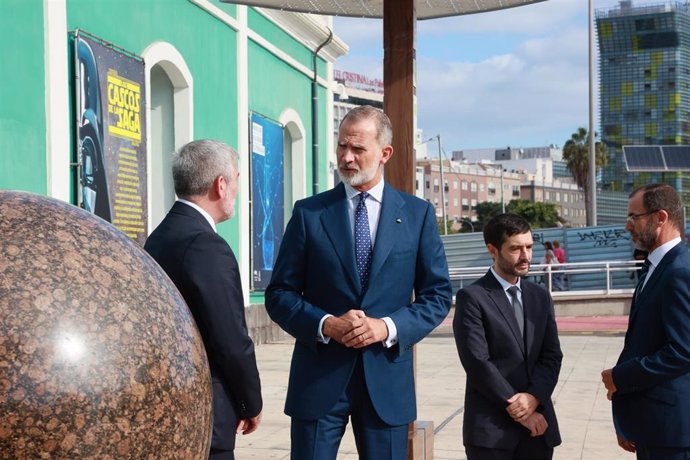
x: 443, y: 184
x: 443, y: 188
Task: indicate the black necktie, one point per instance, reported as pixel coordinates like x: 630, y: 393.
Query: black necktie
x: 362, y: 240
x: 642, y: 275
x: 517, y: 307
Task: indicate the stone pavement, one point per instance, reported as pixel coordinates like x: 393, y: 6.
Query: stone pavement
x: 583, y: 411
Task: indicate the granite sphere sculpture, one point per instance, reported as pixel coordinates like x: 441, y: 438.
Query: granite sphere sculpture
x: 99, y: 355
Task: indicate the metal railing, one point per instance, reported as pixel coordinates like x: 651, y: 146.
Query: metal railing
x: 545, y: 274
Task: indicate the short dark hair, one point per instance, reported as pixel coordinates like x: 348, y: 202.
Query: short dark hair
x: 656, y: 197
x: 502, y: 226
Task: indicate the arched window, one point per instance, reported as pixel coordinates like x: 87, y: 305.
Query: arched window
x: 170, y: 113
x: 294, y: 159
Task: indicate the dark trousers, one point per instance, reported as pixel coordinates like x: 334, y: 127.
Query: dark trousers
x: 529, y: 448
x: 217, y: 454
x: 319, y: 439
x: 662, y: 453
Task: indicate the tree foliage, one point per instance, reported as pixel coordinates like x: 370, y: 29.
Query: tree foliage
x: 576, y: 157
x: 486, y: 210
x: 538, y: 214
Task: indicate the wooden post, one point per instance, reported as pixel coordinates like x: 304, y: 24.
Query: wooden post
x: 399, y: 100
x: 399, y: 103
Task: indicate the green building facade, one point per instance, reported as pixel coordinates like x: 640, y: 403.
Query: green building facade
x: 208, y: 66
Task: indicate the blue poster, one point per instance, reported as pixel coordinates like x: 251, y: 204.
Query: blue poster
x: 267, y: 197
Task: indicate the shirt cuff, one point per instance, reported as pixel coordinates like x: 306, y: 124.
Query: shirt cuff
x: 319, y: 334
x: 392, y: 332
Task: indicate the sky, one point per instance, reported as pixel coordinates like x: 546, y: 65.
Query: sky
x: 516, y: 77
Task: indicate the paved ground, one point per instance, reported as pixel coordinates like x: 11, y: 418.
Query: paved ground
x: 589, y: 345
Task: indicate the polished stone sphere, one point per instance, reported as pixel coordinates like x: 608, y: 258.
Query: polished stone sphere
x: 99, y: 354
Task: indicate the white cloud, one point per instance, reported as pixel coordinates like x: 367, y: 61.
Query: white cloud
x: 534, y: 91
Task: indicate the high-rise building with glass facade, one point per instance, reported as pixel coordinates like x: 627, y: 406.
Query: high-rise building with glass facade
x: 644, y: 75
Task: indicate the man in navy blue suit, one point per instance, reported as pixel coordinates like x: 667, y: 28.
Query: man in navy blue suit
x: 650, y: 384
x: 361, y: 276
x: 204, y: 269
x: 505, y: 332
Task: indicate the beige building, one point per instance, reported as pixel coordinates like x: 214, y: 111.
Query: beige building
x: 467, y: 184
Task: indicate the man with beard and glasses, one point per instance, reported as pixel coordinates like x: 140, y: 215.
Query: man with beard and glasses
x: 505, y: 332
x: 361, y: 276
x: 650, y: 384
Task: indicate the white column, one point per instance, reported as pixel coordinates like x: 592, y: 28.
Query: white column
x: 58, y: 121
x: 243, y: 149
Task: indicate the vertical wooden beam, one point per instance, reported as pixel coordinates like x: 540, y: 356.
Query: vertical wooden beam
x: 399, y: 103
x: 399, y: 96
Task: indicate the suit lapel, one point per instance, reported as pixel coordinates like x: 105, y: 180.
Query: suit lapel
x: 388, y: 220
x: 500, y: 299
x: 639, y: 298
x: 336, y: 222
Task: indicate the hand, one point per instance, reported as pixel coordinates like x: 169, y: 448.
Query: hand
x: 249, y: 425
x: 365, y: 332
x: 626, y: 445
x: 535, y: 423
x: 607, y: 378
x: 336, y: 327
x: 521, y: 406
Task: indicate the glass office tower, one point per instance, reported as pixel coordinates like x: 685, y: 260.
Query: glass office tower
x: 644, y: 75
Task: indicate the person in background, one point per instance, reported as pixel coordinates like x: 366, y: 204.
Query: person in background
x: 650, y: 383
x: 361, y: 276
x: 506, y: 336
x: 559, y: 278
x: 204, y: 269
x: 550, y: 259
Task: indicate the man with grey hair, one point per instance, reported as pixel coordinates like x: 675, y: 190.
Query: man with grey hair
x: 650, y: 383
x: 361, y: 276
x: 204, y: 269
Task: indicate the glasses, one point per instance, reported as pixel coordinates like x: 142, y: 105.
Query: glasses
x: 633, y: 217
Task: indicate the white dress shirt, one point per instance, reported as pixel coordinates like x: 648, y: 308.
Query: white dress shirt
x: 656, y: 255
x: 373, y: 204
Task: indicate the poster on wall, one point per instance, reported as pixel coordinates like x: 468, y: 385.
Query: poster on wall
x: 111, y: 131
x: 267, y: 197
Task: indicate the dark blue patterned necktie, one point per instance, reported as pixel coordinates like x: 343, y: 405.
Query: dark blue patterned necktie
x: 362, y: 240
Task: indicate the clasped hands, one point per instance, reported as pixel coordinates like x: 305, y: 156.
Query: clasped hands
x: 355, y: 329
x: 522, y: 408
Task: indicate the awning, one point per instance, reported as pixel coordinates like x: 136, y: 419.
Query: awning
x: 426, y: 9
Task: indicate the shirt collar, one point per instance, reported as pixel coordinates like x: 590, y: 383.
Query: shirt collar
x: 201, y: 210
x: 376, y: 192
x: 656, y: 255
x: 505, y: 284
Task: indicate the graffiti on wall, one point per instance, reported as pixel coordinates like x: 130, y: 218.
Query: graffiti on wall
x: 605, y: 238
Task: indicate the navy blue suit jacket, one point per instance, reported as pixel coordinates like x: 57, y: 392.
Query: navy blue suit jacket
x: 204, y: 269
x: 652, y: 403
x: 500, y: 363
x: 316, y: 274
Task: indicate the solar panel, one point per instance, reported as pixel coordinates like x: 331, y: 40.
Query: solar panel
x: 677, y: 157
x: 644, y: 158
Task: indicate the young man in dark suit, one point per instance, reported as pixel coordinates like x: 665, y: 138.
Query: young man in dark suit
x: 505, y: 332
x: 359, y: 279
x: 650, y: 384
x: 204, y: 269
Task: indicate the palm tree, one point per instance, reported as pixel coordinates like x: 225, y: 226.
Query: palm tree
x: 576, y: 156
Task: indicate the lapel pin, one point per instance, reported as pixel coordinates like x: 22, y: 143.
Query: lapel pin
x: 398, y: 221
